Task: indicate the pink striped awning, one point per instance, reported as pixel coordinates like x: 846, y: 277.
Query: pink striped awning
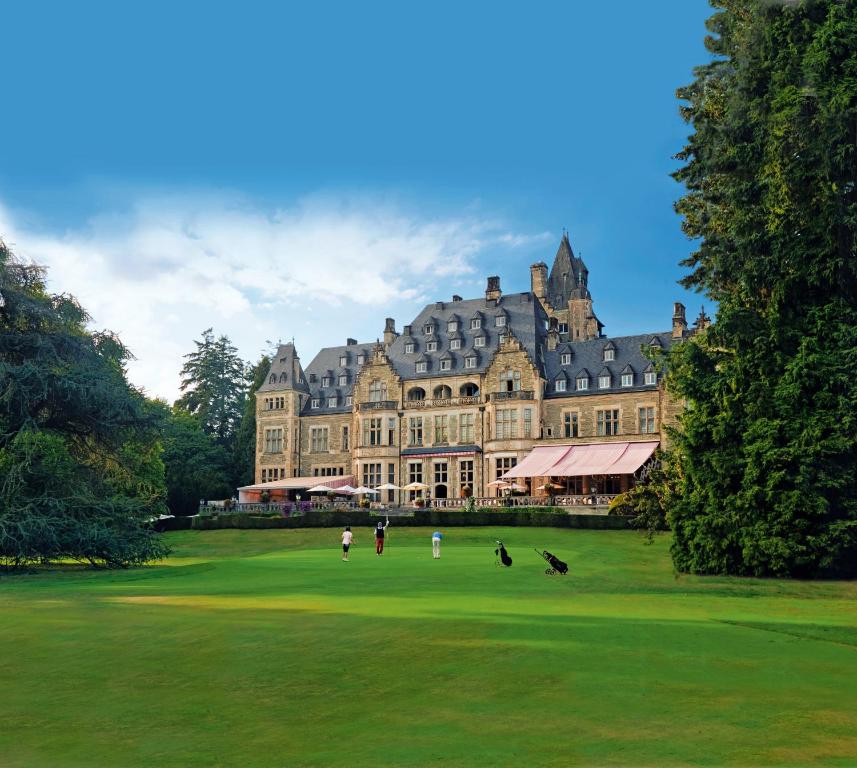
x: 579, y: 460
x: 538, y: 461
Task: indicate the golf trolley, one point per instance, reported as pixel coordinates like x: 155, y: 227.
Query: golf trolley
x: 503, y: 557
x: 557, y: 566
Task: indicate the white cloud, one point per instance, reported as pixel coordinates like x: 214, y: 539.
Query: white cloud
x: 167, y: 267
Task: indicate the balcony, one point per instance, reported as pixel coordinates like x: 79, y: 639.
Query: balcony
x: 521, y: 394
x: 379, y: 405
x: 442, y: 402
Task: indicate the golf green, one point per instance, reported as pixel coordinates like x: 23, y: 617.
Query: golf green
x: 263, y: 648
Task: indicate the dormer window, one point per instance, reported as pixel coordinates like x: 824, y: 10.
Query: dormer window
x: 504, y: 338
x: 421, y: 367
x: 343, y: 380
x: 475, y: 323
x: 627, y: 379
x: 446, y: 365
x: 273, y: 379
x: 314, y: 403
x: 604, y: 381
x: 470, y: 361
x: 431, y: 346
x: 565, y: 358
x: 325, y: 381
x: 349, y: 400
x: 559, y: 385
x: 409, y: 348
x: 343, y: 361
x: 361, y: 359
x: 428, y: 329
x: 455, y: 344
x: 650, y: 378
x: 452, y: 326
x: 582, y: 383
x: 500, y: 321
x: 479, y: 341
x: 609, y: 354
x: 332, y: 402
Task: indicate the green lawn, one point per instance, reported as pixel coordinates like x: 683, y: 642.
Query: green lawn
x: 262, y: 648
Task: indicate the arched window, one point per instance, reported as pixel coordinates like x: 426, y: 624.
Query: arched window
x: 377, y: 391
x: 510, y: 381
x: 416, y: 393
x: 273, y: 379
x: 468, y: 390
x: 442, y: 392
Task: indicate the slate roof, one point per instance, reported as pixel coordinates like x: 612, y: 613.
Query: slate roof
x: 285, y: 371
x: 525, y: 319
x: 326, y: 363
x: 588, y: 357
x: 564, y: 282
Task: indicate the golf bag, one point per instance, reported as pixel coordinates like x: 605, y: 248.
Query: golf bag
x: 557, y: 566
x: 501, y: 552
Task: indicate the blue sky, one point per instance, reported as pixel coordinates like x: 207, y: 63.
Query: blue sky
x: 279, y: 170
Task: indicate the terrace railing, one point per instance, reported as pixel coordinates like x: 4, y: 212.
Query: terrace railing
x: 520, y: 394
x: 379, y: 405
x: 598, y: 500
x: 442, y: 402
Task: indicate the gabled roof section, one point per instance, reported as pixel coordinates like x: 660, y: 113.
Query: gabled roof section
x: 567, y: 276
x: 285, y: 371
x: 326, y: 364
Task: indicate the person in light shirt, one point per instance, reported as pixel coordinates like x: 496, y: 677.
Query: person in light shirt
x: 435, y: 544
x: 347, y: 540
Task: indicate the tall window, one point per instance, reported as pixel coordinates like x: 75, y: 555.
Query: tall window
x: 318, y: 439
x: 274, y: 440
x: 361, y: 359
x: 343, y: 361
x: 415, y: 472
x: 441, y: 429
x: 391, y: 431
x: 570, y: 425
x: 465, y: 473
x: 510, y: 381
x: 607, y: 422
x: 441, y: 473
x: 345, y: 436
x: 507, y: 423
x: 465, y: 426
x: 391, y: 479
x: 528, y: 422
x: 377, y: 391
x: 504, y: 464
x: 647, y: 419
x: 371, y: 432
x: 372, y: 475
x: 415, y: 430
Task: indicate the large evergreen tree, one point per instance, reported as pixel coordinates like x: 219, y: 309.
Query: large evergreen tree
x: 767, y: 448
x: 80, y: 467
x: 215, y: 383
x: 245, y: 442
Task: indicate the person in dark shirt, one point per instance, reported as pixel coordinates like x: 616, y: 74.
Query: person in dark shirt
x: 379, y: 536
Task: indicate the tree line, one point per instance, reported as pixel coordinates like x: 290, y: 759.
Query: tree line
x: 87, y: 461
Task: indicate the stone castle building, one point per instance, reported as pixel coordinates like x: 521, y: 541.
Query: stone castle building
x: 466, y: 392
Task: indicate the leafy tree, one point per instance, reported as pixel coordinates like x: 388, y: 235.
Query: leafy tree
x: 80, y: 471
x: 766, y: 452
x: 215, y: 382
x: 245, y: 442
x: 196, y: 467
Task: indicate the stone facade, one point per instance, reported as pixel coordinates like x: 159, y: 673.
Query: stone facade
x: 465, y: 391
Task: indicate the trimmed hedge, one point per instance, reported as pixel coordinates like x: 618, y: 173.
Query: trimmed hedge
x: 329, y: 518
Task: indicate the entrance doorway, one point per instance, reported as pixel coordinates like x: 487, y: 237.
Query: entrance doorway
x: 440, y: 491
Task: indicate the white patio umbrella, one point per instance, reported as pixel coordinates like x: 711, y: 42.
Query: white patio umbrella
x: 388, y: 487
x: 516, y: 487
x: 320, y: 489
x: 415, y: 487
x: 360, y: 490
x: 498, y: 484
x: 347, y: 489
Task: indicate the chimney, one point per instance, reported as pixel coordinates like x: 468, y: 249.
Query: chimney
x: 350, y: 342
x: 539, y: 279
x: 456, y: 297
x: 703, y: 321
x: 493, y: 292
x: 553, y: 334
x: 679, y: 320
x: 390, y: 332
x: 406, y: 330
